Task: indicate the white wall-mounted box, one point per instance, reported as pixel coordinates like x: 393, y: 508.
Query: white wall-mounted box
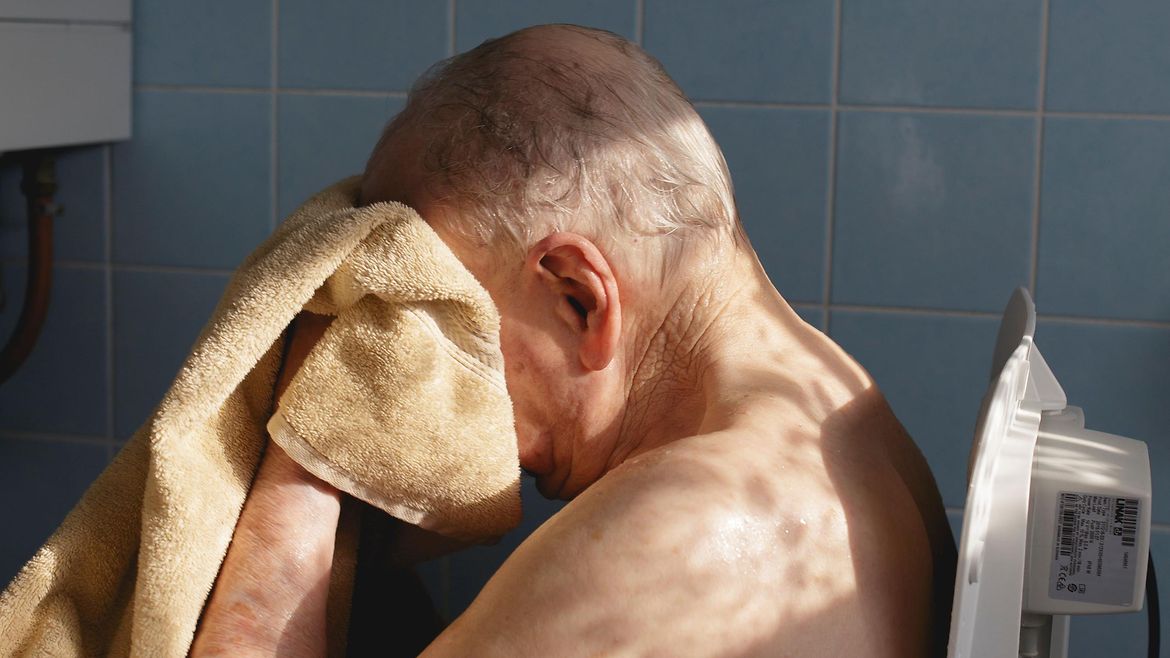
x: 64, y: 72
x: 111, y: 11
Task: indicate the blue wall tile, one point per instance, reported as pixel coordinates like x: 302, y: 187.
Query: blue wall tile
x: 41, y: 480
x: 934, y: 371
x: 61, y: 388
x: 471, y: 569
x: 434, y: 576
x: 747, y: 50
x: 1105, y: 222
x: 157, y: 316
x: 941, y: 52
x: 192, y: 187
x: 1094, y: 636
x: 932, y: 210
x: 955, y: 519
x: 814, y: 315
x: 79, y: 232
x: 313, y: 152
x: 214, y: 42
x: 479, y: 20
x: 779, y: 166
x: 359, y: 44
x: 1120, y: 376
x: 1108, y: 56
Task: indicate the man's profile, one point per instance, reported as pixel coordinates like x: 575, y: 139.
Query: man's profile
x: 738, y: 484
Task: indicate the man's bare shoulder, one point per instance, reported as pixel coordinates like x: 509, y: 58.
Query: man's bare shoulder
x: 708, y: 546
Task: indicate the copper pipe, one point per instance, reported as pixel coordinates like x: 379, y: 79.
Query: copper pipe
x: 38, y: 185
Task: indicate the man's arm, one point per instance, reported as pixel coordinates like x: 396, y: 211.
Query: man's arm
x: 271, y: 593
x: 270, y: 596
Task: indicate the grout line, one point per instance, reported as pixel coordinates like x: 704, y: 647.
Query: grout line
x: 1114, y: 322
x: 274, y: 47
x: 708, y: 102
x: 909, y: 310
x: 80, y: 265
x: 827, y: 307
x: 835, y: 104
x: 67, y: 264
x: 354, y: 93
x: 51, y: 437
x: 640, y: 22
x: 202, y: 89
x: 273, y: 120
x: 1106, y: 116
x: 966, y: 313
x: 1038, y: 172
x: 108, y: 251
x: 450, y: 28
x: 831, y: 182
x: 922, y: 109
x: 274, y: 88
x: 171, y: 269
x: 762, y: 105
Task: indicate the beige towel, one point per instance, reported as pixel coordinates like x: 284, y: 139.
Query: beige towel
x: 401, y: 404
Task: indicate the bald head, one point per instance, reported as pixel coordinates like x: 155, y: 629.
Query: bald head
x: 559, y: 128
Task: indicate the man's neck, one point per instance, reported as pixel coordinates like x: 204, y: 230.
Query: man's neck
x: 755, y: 368
x: 725, y: 352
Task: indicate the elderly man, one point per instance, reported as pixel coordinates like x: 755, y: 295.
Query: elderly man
x: 738, y: 484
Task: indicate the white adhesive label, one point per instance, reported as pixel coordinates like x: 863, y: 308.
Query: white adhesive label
x: 1094, y: 549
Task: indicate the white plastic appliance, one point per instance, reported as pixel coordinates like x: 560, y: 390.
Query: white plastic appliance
x: 1057, y: 520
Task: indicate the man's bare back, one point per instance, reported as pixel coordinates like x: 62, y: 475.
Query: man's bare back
x: 777, y: 536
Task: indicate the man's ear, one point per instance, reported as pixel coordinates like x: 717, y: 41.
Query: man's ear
x: 575, y: 270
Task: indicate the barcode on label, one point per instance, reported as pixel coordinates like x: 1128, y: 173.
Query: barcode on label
x: 1125, y: 513
x: 1068, y: 523
x: 1094, y: 542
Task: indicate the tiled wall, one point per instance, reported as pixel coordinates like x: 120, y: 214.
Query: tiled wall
x: 901, y: 166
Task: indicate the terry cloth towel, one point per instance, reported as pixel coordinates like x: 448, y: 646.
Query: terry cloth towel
x: 401, y: 404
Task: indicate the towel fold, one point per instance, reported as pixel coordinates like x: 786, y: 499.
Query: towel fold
x: 401, y: 404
